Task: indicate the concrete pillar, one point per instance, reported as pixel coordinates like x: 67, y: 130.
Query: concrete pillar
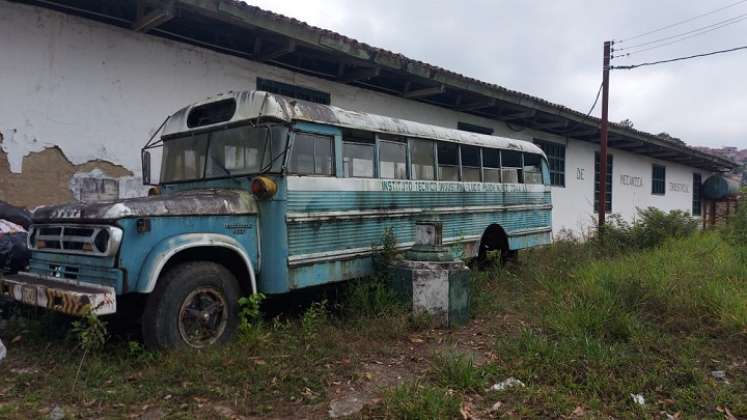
x: 436, y: 283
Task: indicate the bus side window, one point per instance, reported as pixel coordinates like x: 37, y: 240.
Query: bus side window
x: 511, y: 163
x: 470, y: 163
x: 358, y: 153
x: 392, y: 159
x: 491, y: 165
x: 532, y: 168
x: 448, y: 161
x: 423, y: 159
x: 358, y: 160
x: 312, y: 154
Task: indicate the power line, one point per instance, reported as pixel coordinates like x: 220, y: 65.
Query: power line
x: 680, y: 40
x: 697, y: 31
x: 594, y: 105
x: 682, y: 22
x: 652, y: 63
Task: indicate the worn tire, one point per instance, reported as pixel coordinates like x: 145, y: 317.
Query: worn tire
x: 161, y: 317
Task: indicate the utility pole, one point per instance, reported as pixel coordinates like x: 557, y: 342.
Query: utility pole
x: 603, y: 140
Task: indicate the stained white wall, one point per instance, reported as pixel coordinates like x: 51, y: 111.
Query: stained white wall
x: 98, y: 92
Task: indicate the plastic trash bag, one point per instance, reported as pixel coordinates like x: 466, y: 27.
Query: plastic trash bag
x: 14, y: 255
x: 17, y: 215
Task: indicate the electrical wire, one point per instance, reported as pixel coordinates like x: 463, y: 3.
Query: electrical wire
x: 682, y: 22
x: 652, y: 63
x: 596, y: 99
x: 677, y: 40
x: 701, y: 30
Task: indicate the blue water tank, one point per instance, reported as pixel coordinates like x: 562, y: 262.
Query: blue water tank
x: 717, y: 187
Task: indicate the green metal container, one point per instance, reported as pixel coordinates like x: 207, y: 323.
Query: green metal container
x: 717, y: 187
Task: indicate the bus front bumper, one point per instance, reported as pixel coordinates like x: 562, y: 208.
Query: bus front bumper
x: 62, y: 295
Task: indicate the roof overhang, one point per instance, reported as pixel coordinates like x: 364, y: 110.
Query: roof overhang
x: 236, y: 28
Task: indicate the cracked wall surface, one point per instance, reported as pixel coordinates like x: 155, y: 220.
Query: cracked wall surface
x: 46, y: 178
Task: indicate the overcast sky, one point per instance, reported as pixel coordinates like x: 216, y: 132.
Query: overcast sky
x: 553, y: 49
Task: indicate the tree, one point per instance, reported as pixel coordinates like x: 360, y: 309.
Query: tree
x: 627, y: 123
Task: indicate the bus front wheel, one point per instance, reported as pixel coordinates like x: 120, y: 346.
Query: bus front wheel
x: 194, y: 305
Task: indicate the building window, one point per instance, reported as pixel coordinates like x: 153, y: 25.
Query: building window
x: 312, y: 155
x: 697, y: 203
x: 293, y: 91
x: 474, y: 128
x: 608, y: 184
x: 658, y: 179
x: 556, y: 159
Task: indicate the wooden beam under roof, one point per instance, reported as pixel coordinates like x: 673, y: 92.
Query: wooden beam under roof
x: 425, y: 92
x: 363, y: 73
x: 517, y: 116
x: 161, y: 14
x: 288, y: 47
x: 550, y: 125
x: 474, y: 106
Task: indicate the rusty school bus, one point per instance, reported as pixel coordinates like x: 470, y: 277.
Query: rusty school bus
x: 263, y: 193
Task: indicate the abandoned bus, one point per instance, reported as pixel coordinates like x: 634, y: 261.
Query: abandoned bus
x: 263, y: 193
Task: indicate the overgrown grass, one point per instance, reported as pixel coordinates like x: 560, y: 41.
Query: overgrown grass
x: 653, y: 322
x: 419, y: 401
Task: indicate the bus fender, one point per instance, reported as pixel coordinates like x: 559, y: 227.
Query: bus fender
x: 159, y: 256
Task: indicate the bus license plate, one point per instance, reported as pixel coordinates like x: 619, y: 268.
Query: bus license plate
x: 29, y: 295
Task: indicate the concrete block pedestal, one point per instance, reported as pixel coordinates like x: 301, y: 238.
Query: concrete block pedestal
x: 432, y: 280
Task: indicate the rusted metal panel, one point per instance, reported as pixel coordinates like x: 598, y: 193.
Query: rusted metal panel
x: 186, y: 203
x: 61, y: 295
x: 251, y: 105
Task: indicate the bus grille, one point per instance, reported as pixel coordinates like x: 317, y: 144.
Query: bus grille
x: 87, y: 240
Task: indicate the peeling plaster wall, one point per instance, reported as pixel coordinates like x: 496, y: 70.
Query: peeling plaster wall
x: 97, y: 92
x: 46, y: 178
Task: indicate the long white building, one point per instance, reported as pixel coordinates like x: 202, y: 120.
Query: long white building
x: 85, y: 83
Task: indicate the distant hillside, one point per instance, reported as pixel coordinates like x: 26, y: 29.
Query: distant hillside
x: 730, y: 152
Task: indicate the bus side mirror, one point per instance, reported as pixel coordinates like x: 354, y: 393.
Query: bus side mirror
x: 146, y: 167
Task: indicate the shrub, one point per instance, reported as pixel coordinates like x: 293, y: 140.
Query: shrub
x: 651, y: 228
x: 250, y: 316
x: 736, y: 228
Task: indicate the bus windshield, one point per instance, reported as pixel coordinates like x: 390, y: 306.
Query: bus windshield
x: 226, y: 152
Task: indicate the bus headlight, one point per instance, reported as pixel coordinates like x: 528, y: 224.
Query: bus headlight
x: 264, y: 187
x: 101, y: 241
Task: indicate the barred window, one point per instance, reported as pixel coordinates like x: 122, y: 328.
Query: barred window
x: 556, y: 160
x: 658, y: 180
x: 697, y: 201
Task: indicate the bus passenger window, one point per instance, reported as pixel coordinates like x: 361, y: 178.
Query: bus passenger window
x: 423, y: 159
x: 511, y: 163
x: 312, y: 155
x: 491, y: 165
x: 448, y: 161
x: 358, y: 160
x: 392, y: 160
x: 532, y: 168
x: 470, y: 163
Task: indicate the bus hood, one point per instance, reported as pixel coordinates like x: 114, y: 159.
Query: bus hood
x: 185, y: 203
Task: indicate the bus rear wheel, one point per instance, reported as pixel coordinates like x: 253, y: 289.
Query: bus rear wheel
x: 194, y: 305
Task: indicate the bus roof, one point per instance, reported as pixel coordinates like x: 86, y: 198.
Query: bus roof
x: 251, y: 105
